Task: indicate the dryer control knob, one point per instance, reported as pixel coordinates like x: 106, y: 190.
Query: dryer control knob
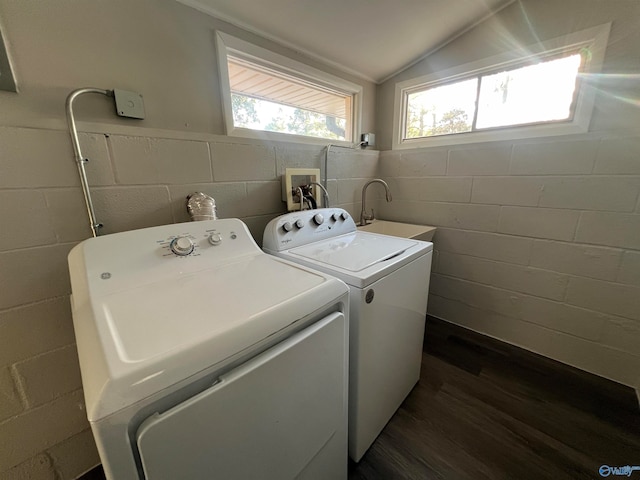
x: 344, y: 215
x: 181, y: 246
x: 215, y: 239
x: 318, y: 219
x: 299, y: 224
x: 287, y: 227
x: 335, y: 217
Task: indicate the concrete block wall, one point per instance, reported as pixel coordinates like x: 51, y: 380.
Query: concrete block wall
x: 137, y: 181
x: 538, y: 242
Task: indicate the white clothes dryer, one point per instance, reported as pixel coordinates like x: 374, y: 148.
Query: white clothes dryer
x: 204, y: 358
x: 388, y: 280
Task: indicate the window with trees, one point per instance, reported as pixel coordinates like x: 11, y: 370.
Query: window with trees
x: 272, y: 94
x: 544, y: 93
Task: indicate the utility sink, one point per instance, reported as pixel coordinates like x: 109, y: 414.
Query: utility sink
x: 398, y: 229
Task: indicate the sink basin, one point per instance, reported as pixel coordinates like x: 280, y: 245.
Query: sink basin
x: 398, y: 229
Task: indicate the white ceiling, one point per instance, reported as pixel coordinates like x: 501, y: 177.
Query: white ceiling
x: 373, y: 39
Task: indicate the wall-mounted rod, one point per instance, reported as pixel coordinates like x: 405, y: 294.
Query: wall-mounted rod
x: 80, y: 160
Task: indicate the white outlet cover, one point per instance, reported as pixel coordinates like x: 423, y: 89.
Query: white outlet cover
x: 129, y: 104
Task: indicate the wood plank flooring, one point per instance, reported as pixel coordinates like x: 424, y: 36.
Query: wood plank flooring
x: 485, y: 410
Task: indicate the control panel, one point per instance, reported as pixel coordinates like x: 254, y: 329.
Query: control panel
x: 126, y: 259
x: 300, y: 228
x: 191, y: 243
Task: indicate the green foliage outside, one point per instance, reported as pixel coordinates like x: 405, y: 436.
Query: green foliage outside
x: 424, y: 122
x: 246, y: 113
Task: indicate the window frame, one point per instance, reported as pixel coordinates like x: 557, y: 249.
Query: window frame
x: 229, y: 45
x: 594, y: 38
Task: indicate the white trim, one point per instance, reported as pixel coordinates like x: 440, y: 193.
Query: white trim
x: 226, y: 43
x: 597, y: 37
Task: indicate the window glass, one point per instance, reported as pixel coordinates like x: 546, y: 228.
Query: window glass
x: 533, y: 91
x: 269, y: 95
x: 536, y: 93
x: 441, y: 110
x: 269, y: 100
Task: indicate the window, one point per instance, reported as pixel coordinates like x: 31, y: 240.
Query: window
x: 268, y: 94
x: 541, y: 94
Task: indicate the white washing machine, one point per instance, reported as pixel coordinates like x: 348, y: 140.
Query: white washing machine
x: 388, y: 279
x: 204, y: 358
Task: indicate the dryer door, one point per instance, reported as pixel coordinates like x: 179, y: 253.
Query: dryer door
x: 280, y: 415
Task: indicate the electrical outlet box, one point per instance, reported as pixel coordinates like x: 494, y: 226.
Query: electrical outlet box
x: 368, y: 139
x: 129, y: 104
x: 295, y: 177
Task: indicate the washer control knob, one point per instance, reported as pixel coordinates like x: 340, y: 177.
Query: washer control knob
x: 287, y: 227
x: 335, y: 217
x: 299, y: 223
x: 215, y: 239
x: 344, y: 215
x: 318, y: 219
x: 181, y: 246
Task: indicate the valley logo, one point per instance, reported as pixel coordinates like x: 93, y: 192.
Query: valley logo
x: 626, y: 471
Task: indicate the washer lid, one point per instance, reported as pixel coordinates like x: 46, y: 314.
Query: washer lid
x: 354, y: 252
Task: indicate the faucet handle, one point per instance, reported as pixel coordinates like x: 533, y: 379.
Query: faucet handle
x: 373, y: 217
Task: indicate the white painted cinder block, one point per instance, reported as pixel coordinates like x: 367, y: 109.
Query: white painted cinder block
x: 11, y: 404
x: 129, y: 208
x: 34, y: 274
x: 423, y: 163
x: 35, y: 430
x: 76, y: 455
x: 629, y: 269
x: 554, y: 158
x: 25, y: 220
x: 389, y: 164
x: 461, y: 215
x: 622, y: 334
x: 233, y: 162
x: 35, y: 329
x: 584, y: 354
x: 181, y: 161
x: 539, y: 222
x: 36, y: 158
x: 264, y: 198
x: 132, y: 160
x: 532, y: 281
x: 499, y: 247
x: 607, y: 297
x: 299, y: 156
x: 49, y: 376
x: 142, y: 160
x: 613, y: 229
x: 618, y: 156
x: 577, y: 259
x: 68, y: 214
x: 591, y: 193
x: 39, y: 467
x: 99, y: 168
x: 517, y: 191
x: 348, y: 163
x: 479, y: 160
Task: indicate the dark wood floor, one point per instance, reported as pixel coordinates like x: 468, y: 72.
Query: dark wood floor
x: 487, y: 410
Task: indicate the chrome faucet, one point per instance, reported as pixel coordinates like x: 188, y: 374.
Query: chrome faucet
x: 364, y: 217
x: 325, y: 194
